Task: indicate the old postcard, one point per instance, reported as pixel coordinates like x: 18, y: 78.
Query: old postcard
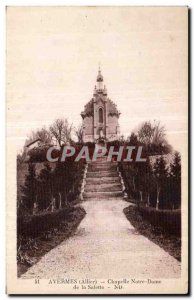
x: 97, y: 150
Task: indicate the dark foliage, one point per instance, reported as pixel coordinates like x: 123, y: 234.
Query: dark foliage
x: 45, y: 187
x: 168, y: 220
x: 61, y: 184
x: 154, y: 185
x: 115, y: 143
x: 175, y: 181
x: 37, y: 154
x: 169, y: 242
x: 31, y: 248
x: 30, y: 188
x: 34, y: 225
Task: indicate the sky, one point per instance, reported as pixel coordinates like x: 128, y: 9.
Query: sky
x: 53, y: 54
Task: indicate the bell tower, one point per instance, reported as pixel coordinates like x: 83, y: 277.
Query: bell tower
x: 99, y: 81
x: 100, y: 109
x: 100, y: 116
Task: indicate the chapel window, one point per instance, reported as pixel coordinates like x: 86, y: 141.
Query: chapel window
x: 100, y: 115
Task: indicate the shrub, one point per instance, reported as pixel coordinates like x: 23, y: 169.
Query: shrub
x: 63, y: 182
x: 34, y: 225
x: 155, y: 182
x: 168, y: 220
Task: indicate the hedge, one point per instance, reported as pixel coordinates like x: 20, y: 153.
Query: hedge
x: 34, y: 225
x: 168, y: 220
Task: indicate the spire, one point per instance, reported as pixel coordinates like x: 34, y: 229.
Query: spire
x: 99, y: 69
x: 99, y: 80
x: 99, y: 77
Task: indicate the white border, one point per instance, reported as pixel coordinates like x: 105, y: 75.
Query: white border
x: 3, y: 4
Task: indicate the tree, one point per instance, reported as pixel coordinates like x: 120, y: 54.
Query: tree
x: 30, y: 188
x: 140, y: 177
x: 153, y: 136
x: 42, y: 134
x: 146, y: 133
x: 175, y: 178
x: 175, y: 167
x: 148, y: 181
x: 121, y: 140
x: 160, y: 174
x: 80, y: 134
x: 62, y: 181
x: 45, y: 187
x: 61, y: 130
x: 45, y: 136
x: 133, y: 140
x: 20, y: 159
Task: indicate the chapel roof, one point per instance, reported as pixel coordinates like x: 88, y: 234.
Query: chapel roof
x: 111, y: 108
x: 100, y: 93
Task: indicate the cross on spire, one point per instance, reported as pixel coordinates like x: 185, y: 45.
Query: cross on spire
x: 99, y: 69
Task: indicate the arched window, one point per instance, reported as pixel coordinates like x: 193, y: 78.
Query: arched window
x: 100, y: 112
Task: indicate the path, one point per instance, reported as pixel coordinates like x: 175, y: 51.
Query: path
x: 105, y: 244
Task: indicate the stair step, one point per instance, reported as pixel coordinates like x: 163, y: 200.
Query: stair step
x: 102, y: 168
x: 107, y: 187
x: 102, y: 174
x: 102, y: 195
x: 102, y: 163
x: 101, y: 180
x: 101, y: 160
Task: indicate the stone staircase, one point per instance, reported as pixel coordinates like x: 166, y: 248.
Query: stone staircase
x: 102, y: 181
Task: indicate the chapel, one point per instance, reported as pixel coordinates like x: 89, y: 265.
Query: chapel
x: 100, y: 116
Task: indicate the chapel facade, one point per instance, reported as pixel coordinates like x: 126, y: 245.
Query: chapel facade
x: 100, y: 116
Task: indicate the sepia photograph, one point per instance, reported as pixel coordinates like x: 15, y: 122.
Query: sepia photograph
x: 97, y: 150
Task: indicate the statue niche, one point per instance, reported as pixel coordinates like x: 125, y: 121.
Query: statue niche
x: 100, y: 115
